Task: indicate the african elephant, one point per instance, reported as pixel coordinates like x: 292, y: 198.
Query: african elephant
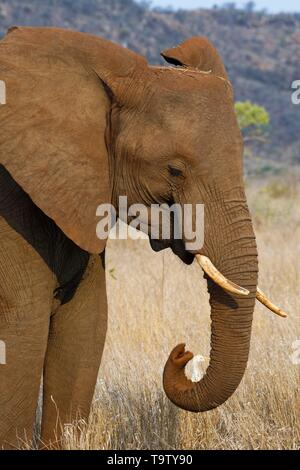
x: 86, y: 120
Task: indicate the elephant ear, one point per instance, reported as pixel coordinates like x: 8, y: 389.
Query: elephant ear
x: 53, y: 125
x: 197, y: 52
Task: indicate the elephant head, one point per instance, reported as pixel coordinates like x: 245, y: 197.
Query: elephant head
x: 87, y: 121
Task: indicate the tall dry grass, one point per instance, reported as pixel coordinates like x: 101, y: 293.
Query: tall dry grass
x: 155, y: 302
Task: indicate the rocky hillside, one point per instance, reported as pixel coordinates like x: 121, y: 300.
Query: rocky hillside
x: 262, y: 52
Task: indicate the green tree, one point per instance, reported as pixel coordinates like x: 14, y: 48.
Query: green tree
x: 253, y: 120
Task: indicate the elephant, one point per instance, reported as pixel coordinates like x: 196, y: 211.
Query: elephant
x: 86, y: 120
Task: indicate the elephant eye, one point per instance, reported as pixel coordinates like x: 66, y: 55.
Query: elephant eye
x: 174, y: 171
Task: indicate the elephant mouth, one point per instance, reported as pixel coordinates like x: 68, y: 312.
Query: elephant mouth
x: 177, y: 246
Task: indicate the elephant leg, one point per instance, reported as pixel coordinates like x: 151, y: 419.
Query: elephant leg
x: 26, y: 291
x: 75, y: 346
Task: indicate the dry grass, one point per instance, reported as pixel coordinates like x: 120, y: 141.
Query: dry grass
x: 156, y: 302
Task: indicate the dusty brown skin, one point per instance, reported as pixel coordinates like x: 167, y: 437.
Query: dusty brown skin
x: 86, y: 121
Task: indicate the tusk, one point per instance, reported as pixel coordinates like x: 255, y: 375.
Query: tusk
x: 262, y: 298
x: 233, y: 288
x: 218, y: 278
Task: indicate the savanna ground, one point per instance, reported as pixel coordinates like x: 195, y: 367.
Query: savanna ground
x: 156, y: 302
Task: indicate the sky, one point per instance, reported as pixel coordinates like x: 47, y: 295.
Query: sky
x: 270, y: 5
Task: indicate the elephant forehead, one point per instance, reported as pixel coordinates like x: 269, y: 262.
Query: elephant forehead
x: 191, y: 82
x: 210, y: 103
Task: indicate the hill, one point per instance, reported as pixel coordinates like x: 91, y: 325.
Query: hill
x: 261, y: 51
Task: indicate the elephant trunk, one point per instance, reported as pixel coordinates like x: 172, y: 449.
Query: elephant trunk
x: 231, y: 315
